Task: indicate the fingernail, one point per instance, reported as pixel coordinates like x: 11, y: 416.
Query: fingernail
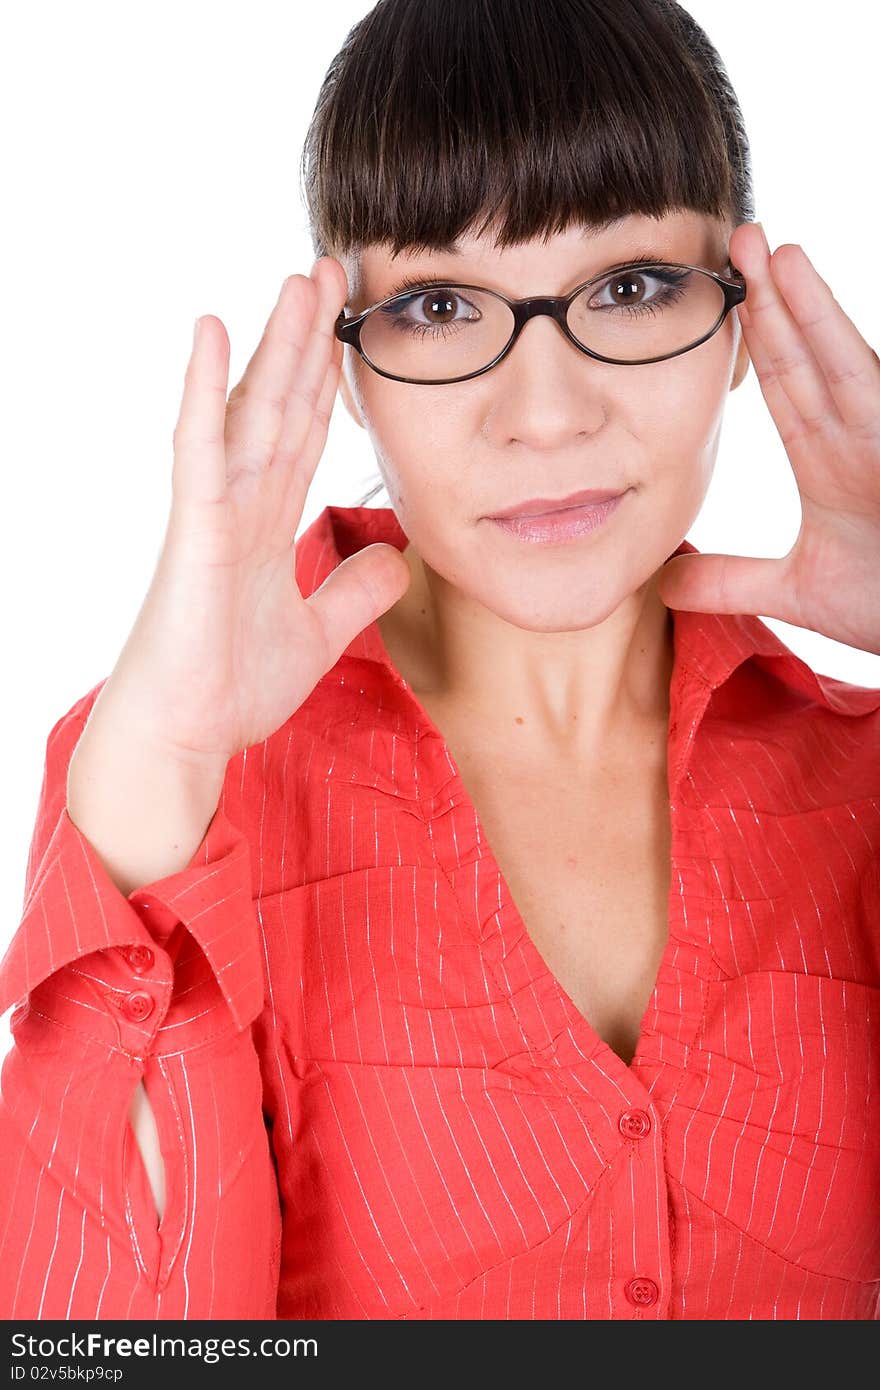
x: 760, y: 227
x: 196, y: 331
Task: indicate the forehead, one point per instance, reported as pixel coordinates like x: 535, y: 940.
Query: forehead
x: 579, y: 251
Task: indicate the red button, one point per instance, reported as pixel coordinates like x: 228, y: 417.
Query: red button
x: 138, y: 1006
x: 634, y: 1124
x: 140, y: 958
x: 642, y: 1292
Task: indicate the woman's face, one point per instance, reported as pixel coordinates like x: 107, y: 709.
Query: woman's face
x: 546, y: 422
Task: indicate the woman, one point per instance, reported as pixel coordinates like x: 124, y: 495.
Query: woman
x: 486, y: 919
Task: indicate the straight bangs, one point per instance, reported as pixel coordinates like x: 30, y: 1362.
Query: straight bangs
x: 444, y: 117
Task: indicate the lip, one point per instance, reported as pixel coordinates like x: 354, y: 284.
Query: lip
x: 544, y: 506
x: 564, y: 525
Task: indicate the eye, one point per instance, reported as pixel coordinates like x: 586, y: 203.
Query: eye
x: 433, y: 306
x: 635, y: 287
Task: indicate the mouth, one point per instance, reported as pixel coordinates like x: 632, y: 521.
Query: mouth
x: 547, y: 506
x: 563, y: 523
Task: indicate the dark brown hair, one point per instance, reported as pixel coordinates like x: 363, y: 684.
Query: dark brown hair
x: 439, y: 117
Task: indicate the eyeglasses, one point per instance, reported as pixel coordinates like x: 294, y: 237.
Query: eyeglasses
x: 438, y: 333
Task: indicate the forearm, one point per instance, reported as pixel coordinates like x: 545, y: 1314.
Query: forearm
x: 119, y: 990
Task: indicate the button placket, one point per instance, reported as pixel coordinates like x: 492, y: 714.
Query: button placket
x: 644, y: 1261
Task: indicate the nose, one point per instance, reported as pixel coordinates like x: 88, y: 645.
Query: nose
x: 549, y: 335
x: 542, y: 337
x: 546, y: 391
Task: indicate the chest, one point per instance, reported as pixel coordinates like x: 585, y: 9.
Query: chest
x: 586, y: 857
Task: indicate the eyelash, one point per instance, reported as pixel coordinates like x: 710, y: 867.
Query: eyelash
x: 415, y: 282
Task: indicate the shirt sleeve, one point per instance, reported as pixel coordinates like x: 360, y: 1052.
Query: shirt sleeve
x: 161, y: 986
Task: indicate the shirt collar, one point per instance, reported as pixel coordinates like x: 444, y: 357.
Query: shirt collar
x: 708, y: 647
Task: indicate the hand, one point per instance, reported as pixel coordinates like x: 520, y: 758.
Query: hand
x: 821, y: 381
x: 225, y: 648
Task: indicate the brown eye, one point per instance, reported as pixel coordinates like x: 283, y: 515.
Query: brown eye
x: 439, y: 306
x: 626, y: 288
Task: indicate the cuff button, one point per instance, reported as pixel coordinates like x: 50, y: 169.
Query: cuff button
x: 140, y: 958
x: 138, y: 1006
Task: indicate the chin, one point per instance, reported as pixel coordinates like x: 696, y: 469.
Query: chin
x: 552, y: 609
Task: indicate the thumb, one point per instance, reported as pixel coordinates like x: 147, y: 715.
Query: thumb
x: 357, y: 592
x: 725, y: 584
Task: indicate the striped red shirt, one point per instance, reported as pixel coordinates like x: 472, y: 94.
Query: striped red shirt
x: 374, y: 1099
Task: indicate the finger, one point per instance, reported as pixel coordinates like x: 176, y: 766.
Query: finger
x: 256, y: 405
x: 710, y: 583
x: 362, y: 587
x: 312, y: 446
x: 789, y: 422
x: 788, y: 358
x: 850, y: 366
x: 199, y: 471
x: 307, y: 404
x: 299, y: 479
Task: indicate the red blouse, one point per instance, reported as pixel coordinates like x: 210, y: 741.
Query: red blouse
x: 374, y: 1100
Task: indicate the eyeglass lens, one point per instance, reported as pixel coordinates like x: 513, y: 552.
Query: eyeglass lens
x: 450, y: 331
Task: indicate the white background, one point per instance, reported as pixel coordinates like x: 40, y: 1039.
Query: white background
x: 152, y: 174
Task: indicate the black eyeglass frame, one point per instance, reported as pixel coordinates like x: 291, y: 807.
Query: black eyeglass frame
x: 556, y: 307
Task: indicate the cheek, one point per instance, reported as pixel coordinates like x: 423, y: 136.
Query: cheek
x: 675, y: 428
x: 679, y: 410
x: 417, y: 440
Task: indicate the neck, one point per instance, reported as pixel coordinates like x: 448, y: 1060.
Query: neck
x: 582, y: 693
